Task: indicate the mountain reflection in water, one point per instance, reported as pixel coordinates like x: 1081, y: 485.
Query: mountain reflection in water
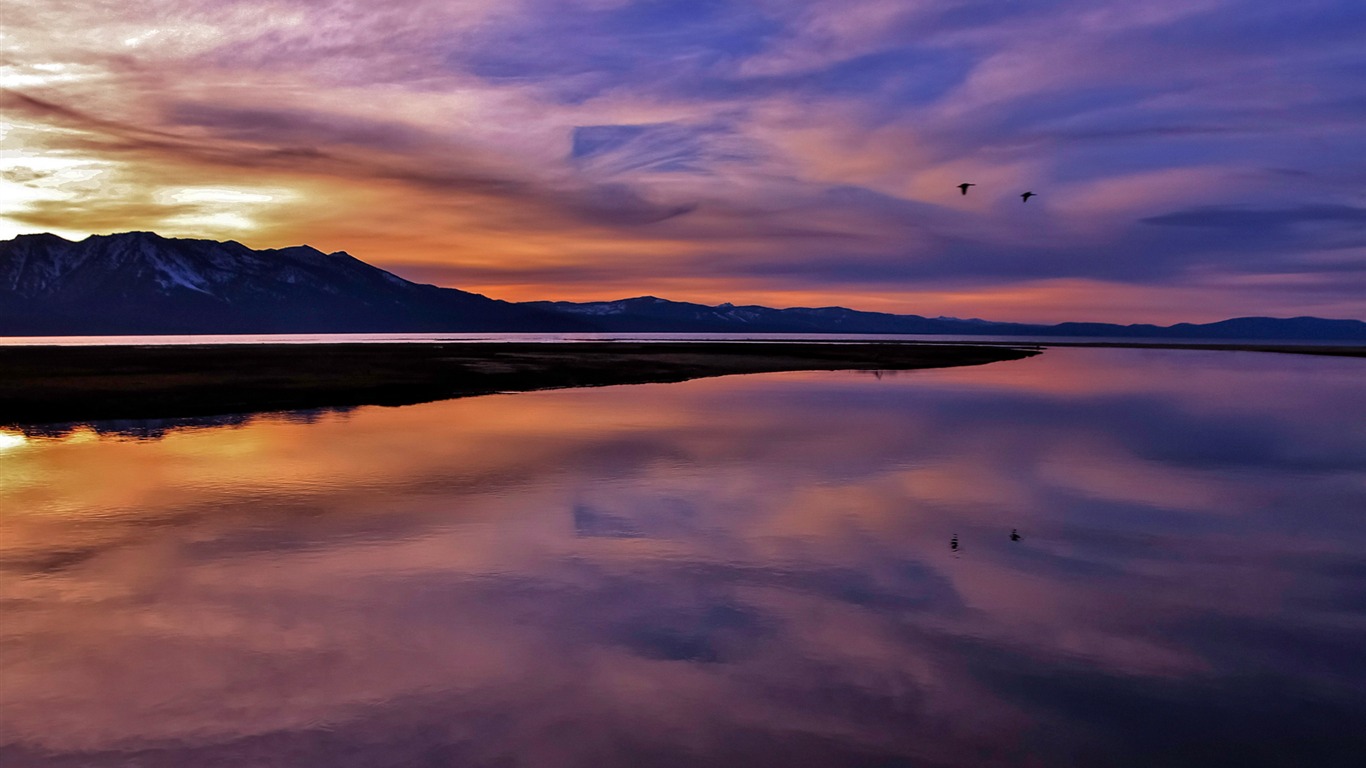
x: 741, y: 571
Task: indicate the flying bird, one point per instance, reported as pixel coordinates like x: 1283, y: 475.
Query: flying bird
x: 1024, y: 198
x: 965, y: 186
x: 1014, y: 534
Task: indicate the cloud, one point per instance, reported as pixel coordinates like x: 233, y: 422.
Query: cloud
x: 672, y: 41
x: 298, y: 127
x: 1260, y: 220
x: 660, y: 148
x: 799, y: 140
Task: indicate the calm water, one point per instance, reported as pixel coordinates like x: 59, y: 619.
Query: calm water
x: 745, y: 571
x: 560, y: 338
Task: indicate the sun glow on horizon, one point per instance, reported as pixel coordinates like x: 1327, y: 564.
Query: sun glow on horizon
x: 811, y: 151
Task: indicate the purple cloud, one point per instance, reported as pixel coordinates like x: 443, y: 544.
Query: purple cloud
x: 1168, y: 141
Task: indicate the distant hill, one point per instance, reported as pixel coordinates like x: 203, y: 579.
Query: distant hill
x: 651, y: 314
x: 142, y: 283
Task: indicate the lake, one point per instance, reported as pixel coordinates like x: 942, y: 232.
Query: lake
x: 569, y: 338
x: 799, y: 569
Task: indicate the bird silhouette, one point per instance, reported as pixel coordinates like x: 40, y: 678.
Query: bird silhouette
x: 1024, y: 198
x: 953, y: 543
x: 1014, y: 534
x: 965, y: 186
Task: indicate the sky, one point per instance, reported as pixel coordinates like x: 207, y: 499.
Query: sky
x: 1193, y: 160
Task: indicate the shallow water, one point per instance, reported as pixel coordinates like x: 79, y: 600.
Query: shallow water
x: 741, y: 571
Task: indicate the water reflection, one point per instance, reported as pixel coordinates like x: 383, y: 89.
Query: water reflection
x: 155, y: 429
x: 747, y: 570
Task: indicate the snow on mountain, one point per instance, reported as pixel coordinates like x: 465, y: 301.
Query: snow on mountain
x: 45, y: 265
x: 140, y: 282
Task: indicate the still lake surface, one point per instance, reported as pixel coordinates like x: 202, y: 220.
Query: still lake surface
x: 563, y: 338
x: 746, y: 571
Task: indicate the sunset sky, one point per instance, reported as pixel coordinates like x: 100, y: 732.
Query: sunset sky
x: 1193, y: 159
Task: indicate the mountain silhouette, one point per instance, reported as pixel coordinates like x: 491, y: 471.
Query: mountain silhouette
x: 143, y: 283
x: 140, y: 282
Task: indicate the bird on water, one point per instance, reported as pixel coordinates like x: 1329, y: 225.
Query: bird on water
x: 1024, y: 198
x: 964, y: 186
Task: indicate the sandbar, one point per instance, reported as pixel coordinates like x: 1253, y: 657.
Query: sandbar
x: 52, y: 384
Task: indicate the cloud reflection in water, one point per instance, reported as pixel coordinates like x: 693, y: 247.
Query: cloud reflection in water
x: 749, y: 570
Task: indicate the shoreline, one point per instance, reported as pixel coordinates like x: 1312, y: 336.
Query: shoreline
x: 54, y: 385
x: 1329, y: 349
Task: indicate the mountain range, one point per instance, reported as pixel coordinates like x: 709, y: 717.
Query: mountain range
x: 143, y: 283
